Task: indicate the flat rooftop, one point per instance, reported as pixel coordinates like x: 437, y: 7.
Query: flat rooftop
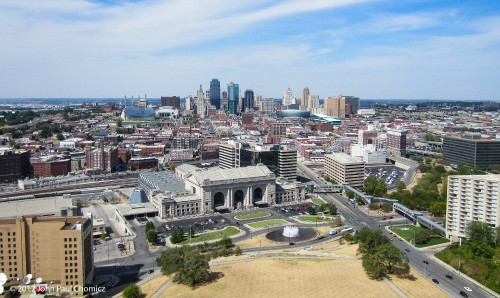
x: 41, y: 206
x: 344, y: 158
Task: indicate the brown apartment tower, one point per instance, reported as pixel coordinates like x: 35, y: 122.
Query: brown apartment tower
x: 57, y: 249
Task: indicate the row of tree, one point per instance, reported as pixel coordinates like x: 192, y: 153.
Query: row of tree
x: 150, y: 232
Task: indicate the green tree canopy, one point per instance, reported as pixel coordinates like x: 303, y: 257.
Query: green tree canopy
x: 133, y: 291
x: 151, y: 236
x: 189, y: 266
x: 478, y: 231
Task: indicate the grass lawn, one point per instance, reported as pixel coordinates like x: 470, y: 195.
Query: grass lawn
x: 252, y: 215
x: 267, y: 223
x: 317, y: 201
x: 229, y: 231
x: 311, y: 218
x: 409, y: 231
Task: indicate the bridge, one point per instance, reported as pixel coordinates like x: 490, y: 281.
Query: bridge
x: 424, y: 152
x: 416, y: 217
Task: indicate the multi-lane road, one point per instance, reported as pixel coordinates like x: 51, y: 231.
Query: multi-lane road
x: 433, y: 269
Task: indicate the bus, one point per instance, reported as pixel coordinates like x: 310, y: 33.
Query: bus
x: 346, y: 230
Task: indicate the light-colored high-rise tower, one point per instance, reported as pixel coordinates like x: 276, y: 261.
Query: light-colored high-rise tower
x: 200, y: 104
x: 304, y: 102
x: 187, y: 104
x: 313, y: 102
x: 288, y: 98
x: 258, y: 101
x: 471, y: 198
x: 335, y: 106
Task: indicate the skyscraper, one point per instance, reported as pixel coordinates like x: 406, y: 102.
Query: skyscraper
x: 248, y: 101
x: 187, y: 104
x: 335, y: 106
x: 224, y: 101
x: 268, y: 105
x: 215, y: 93
x: 200, y: 105
x: 233, y: 94
x: 313, y: 102
x: 304, y: 102
x: 288, y: 98
x: 354, y: 102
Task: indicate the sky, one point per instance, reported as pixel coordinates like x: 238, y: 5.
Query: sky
x: 413, y: 49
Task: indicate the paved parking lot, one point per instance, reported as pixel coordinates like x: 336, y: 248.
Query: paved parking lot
x: 391, y: 174
x: 109, y: 250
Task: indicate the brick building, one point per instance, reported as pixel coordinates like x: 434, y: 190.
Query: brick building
x: 51, y: 168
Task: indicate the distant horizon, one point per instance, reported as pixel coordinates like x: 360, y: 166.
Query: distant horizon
x: 402, y: 50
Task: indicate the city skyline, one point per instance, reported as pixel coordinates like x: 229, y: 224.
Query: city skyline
x: 370, y: 49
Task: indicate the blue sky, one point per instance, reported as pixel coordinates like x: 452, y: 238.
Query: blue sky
x: 372, y: 49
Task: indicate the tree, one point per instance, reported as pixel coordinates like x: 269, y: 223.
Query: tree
x: 189, y: 265
x: 369, y: 240
x: 133, y: 291
x: 350, y: 194
x: 380, y: 188
x: 400, y: 186
x: 151, y: 236
x: 311, y: 210
x: 60, y: 136
x: 237, y: 251
x: 177, y: 235
x: 150, y: 226
x: 438, y: 209
x: 478, y: 231
x: 370, y: 185
x: 79, y: 204
x: 429, y: 137
x: 423, y: 236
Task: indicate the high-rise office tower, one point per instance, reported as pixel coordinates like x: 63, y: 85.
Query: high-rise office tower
x: 304, y: 102
x: 354, y: 102
x: 288, y: 98
x: 200, y: 105
x: 287, y: 164
x: 248, y: 101
x: 268, y: 105
x: 258, y: 102
x: 233, y: 94
x: 313, y: 102
x: 396, y: 143
x: 187, y: 104
x: 471, y: 150
x: 224, y: 101
x: 215, y: 93
x: 335, y: 106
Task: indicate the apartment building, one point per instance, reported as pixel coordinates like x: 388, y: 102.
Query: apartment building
x: 471, y: 198
x: 57, y: 249
x: 344, y: 168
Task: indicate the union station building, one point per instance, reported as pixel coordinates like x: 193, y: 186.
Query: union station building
x: 199, y: 191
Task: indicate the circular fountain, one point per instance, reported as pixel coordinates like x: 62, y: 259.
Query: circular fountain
x: 291, y: 234
x: 291, y: 231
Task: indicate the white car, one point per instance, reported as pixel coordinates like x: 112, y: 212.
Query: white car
x: 468, y: 289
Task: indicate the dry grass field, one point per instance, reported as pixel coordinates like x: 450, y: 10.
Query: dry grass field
x: 419, y: 288
x: 258, y: 241
x: 288, y: 278
x: 151, y: 286
x: 302, y: 278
